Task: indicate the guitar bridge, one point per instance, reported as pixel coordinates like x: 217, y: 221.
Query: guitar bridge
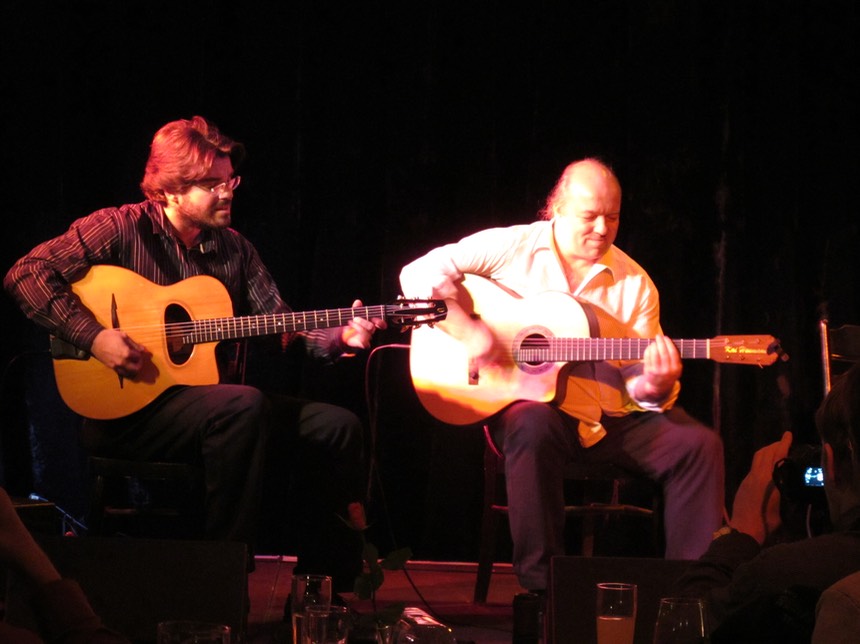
x: 474, y: 373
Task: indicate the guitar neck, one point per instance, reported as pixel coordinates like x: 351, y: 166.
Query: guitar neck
x: 217, y: 329
x: 533, y: 350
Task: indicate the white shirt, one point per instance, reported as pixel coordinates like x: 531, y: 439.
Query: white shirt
x: 523, y: 259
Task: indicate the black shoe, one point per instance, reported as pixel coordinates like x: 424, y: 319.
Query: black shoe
x: 529, y: 610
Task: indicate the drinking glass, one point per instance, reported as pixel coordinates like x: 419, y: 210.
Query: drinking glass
x: 616, y: 613
x: 681, y: 620
x: 181, y: 632
x: 306, y: 591
x: 326, y: 625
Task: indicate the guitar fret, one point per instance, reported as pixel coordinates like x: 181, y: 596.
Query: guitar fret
x: 463, y: 394
x: 535, y: 350
x: 216, y: 329
x: 550, y: 349
x: 172, y: 332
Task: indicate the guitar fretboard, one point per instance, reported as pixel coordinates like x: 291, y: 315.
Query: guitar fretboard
x: 216, y: 329
x: 535, y: 350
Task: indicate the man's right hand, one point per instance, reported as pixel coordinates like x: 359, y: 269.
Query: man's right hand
x: 116, y: 350
x: 472, y: 333
x: 756, y: 507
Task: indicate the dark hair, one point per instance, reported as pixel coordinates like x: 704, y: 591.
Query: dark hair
x: 838, y: 416
x: 182, y: 152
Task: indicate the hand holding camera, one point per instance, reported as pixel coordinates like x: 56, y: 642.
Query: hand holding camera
x: 756, y: 506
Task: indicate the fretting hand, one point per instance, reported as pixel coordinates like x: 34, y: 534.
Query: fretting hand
x: 358, y: 332
x: 662, y: 369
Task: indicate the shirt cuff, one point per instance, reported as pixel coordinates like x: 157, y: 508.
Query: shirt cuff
x: 667, y: 403
x: 726, y: 529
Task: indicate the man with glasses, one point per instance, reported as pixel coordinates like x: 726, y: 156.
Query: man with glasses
x: 234, y: 431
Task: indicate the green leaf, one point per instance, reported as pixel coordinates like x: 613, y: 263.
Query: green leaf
x: 363, y: 587
x: 397, y: 559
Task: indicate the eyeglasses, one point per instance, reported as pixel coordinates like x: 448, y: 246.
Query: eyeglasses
x: 231, y: 184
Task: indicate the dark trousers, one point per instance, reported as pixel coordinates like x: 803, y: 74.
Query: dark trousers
x: 314, y: 470
x: 682, y: 455
x: 300, y: 460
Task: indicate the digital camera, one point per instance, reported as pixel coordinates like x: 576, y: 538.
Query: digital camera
x: 800, y: 477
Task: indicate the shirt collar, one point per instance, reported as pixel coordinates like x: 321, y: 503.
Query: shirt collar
x: 609, y: 262
x: 161, y: 226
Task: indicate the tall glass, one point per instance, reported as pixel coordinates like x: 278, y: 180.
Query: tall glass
x: 681, y: 620
x: 307, y: 590
x: 326, y: 625
x: 616, y: 613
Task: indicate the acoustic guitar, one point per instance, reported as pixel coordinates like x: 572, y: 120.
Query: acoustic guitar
x: 534, y: 338
x: 180, y: 326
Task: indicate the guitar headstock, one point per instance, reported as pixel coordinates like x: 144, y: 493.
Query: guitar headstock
x: 760, y: 350
x: 415, y: 312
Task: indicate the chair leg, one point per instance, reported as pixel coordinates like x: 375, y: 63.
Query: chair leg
x: 96, y: 517
x: 657, y: 534
x: 587, y: 535
x: 489, y: 526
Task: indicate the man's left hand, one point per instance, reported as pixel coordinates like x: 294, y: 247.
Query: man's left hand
x: 358, y: 332
x: 662, y: 370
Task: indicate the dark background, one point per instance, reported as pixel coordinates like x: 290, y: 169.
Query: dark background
x: 377, y: 130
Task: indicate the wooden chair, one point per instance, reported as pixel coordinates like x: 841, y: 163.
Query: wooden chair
x: 594, y: 480
x: 153, y: 499
x: 840, y: 346
x: 95, y: 496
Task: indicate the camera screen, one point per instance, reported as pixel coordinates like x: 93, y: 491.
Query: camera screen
x: 814, y: 477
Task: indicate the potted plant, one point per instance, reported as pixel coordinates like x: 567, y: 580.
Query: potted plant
x: 380, y: 621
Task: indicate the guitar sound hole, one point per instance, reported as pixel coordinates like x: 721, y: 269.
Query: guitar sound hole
x: 534, y: 343
x: 177, y: 322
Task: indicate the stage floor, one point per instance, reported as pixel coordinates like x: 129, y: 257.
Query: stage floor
x: 440, y: 588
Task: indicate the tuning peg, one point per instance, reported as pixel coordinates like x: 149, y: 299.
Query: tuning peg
x: 775, y: 347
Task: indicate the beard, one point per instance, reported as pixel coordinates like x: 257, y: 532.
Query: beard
x: 218, y: 215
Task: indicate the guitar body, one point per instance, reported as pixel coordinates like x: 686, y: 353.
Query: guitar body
x: 180, y: 326
x: 443, y: 376
x: 95, y: 391
x: 528, y: 359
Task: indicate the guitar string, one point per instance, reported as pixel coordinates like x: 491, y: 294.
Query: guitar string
x: 267, y: 324
x: 552, y: 349
x: 250, y: 323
